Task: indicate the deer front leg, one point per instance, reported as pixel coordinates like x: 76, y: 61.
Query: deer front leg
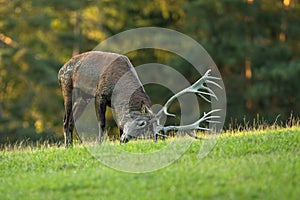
x: 121, y: 132
x: 100, y: 107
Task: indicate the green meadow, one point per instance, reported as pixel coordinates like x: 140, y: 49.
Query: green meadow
x: 259, y: 164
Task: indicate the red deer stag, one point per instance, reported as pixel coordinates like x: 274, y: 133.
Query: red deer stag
x: 112, y: 81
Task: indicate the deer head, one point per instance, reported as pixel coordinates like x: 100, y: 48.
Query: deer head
x: 151, y: 122
x: 138, y: 123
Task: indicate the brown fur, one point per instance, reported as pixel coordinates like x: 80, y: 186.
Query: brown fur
x: 96, y: 74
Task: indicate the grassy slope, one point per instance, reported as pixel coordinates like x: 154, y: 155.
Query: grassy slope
x: 241, y: 166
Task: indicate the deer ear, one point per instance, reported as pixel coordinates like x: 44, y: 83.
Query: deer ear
x: 145, y: 109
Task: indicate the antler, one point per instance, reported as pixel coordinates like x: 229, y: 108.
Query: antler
x: 195, y: 88
x: 196, y: 125
x: 206, y: 78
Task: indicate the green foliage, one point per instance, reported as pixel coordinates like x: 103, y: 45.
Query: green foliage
x: 38, y: 36
x: 250, y: 165
x: 261, y: 35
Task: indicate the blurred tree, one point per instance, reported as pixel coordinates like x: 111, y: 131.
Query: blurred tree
x: 254, y: 43
x: 275, y: 60
x: 38, y: 36
x: 29, y: 100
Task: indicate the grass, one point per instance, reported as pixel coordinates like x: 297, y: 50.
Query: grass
x: 259, y: 164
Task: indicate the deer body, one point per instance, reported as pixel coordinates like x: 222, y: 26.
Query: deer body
x: 96, y: 75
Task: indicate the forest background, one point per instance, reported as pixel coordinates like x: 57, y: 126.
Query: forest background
x: 255, y: 44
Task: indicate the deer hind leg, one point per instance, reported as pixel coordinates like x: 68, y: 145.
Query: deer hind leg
x: 68, y: 124
x: 121, y: 132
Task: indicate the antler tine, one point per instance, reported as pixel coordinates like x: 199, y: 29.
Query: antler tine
x: 210, y: 93
x: 167, y: 113
x: 203, y: 97
x: 214, y: 83
x: 206, y: 117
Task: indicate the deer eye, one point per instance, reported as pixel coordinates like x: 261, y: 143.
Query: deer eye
x: 142, y: 123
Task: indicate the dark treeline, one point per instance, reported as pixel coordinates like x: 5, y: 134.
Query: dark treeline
x: 255, y: 44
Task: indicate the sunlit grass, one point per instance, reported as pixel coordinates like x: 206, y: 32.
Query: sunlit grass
x: 260, y: 163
